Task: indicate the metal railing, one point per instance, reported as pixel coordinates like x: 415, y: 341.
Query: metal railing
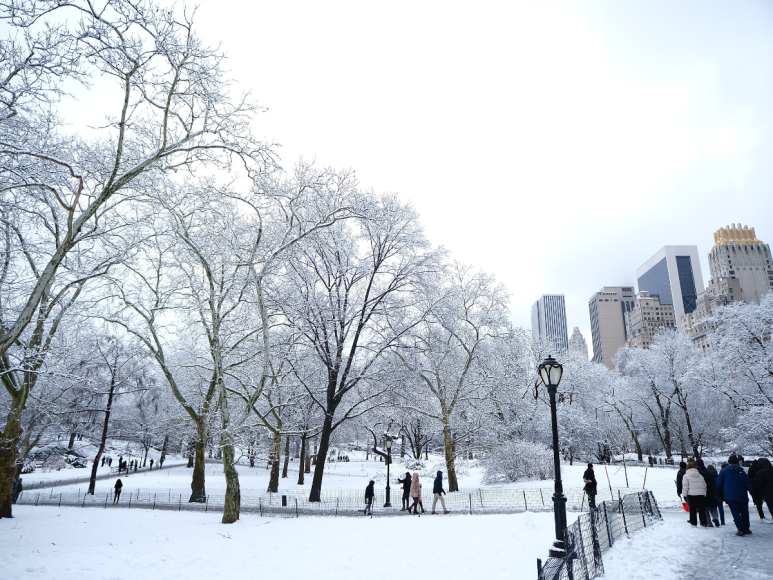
x: 336, y: 502
x: 595, y: 532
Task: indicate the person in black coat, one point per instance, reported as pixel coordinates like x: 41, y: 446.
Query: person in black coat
x: 763, y: 484
x: 679, y: 476
x: 439, y: 492
x: 117, y: 487
x: 406, y: 482
x: 591, y: 486
x: 16, y: 490
x: 753, y: 469
x: 370, y: 492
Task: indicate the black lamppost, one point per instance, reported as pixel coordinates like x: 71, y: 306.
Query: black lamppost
x: 389, y: 461
x: 550, y: 372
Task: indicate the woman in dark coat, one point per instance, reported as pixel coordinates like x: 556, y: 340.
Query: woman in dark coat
x: 763, y: 484
x: 591, y: 486
x: 369, y: 493
x: 753, y: 469
x: 118, y: 486
x: 710, y: 477
x: 719, y: 495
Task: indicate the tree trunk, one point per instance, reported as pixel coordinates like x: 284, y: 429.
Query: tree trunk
x: 319, y: 469
x: 453, y: 484
x: 163, y: 451
x: 198, y: 489
x: 286, y: 465
x: 233, y: 500
x: 302, y: 460
x: 8, y: 449
x: 307, y: 463
x: 71, y: 443
x: 103, y: 439
x: 273, y: 481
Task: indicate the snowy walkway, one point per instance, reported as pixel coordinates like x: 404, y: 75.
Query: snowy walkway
x: 672, y: 550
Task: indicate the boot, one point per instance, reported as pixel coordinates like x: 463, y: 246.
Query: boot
x: 446, y: 512
x: 716, y: 523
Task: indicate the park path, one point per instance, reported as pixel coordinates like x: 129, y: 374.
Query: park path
x: 720, y: 554
x: 100, y: 477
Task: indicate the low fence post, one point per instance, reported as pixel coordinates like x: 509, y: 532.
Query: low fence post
x: 606, y: 522
x: 525, y: 505
x: 470, y: 504
x: 36, y: 499
x: 296, y: 507
x: 336, y: 507
x: 106, y: 496
x: 206, y: 504
x: 180, y: 503
x: 84, y: 500
x: 260, y: 506
x: 543, y: 498
x: 622, y: 512
x: 60, y: 500
x: 641, y: 507
x: 154, y: 502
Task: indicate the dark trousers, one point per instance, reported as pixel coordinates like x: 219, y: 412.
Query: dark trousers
x: 769, y: 503
x: 406, y: 500
x: 697, y: 505
x: 740, y: 511
x: 721, y: 512
x: 758, y: 505
x: 591, y: 500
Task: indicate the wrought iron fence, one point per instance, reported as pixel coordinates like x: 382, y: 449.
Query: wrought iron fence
x: 594, y: 532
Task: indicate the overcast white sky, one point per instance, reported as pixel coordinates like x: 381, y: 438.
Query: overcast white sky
x: 557, y: 145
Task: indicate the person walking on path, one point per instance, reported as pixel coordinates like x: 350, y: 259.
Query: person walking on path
x: 679, y: 476
x: 710, y: 478
x: 714, y: 499
x: 16, y: 490
x: 406, y: 482
x: 763, y: 485
x: 117, y: 495
x: 591, y: 486
x: 734, y: 484
x: 757, y: 500
x: 151, y: 465
x: 416, y: 495
x: 439, y: 492
x: 694, y: 489
x: 369, y: 494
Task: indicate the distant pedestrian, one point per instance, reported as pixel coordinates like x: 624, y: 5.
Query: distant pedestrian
x: 416, y: 495
x: 753, y: 469
x: 369, y: 494
x: 117, y: 493
x: 591, y: 486
x: 16, y: 490
x: 763, y: 485
x: 439, y: 492
x: 103, y: 461
x: 406, y: 482
x: 734, y: 484
x: 110, y: 462
x: 694, y: 489
x: 151, y: 464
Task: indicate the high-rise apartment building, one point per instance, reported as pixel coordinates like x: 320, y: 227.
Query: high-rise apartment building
x: 673, y: 275
x: 548, y: 319
x: 698, y: 323
x: 607, y: 321
x: 737, y: 253
x: 577, y: 343
x: 647, y: 316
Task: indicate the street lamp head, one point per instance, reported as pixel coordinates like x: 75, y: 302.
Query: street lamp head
x: 550, y: 371
x: 389, y: 442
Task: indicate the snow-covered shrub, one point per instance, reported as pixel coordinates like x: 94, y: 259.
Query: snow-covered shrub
x: 54, y: 463
x: 413, y: 465
x: 516, y: 460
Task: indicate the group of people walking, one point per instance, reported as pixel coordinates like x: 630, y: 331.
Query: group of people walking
x: 705, y: 490
x: 411, y: 491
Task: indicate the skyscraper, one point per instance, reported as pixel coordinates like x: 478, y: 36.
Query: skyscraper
x: 607, y: 321
x: 673, y: 275
x: 646, y: 318
x: 737, y: 253
x: 577, y: 343
x: 548, y: 319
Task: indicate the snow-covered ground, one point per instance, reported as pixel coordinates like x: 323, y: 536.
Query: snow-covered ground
x: 673, y: 550
x: 71, y: 543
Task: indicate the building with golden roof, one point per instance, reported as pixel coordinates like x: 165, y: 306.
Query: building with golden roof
x: 737, y: 253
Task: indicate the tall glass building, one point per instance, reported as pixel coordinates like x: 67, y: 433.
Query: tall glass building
x: 674, y: 276
x: 548, y: 320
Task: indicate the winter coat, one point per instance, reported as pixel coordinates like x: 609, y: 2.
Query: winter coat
x: 753, y: 469
x: 590, y: 481
x: 16, y: 490
x: 693, y: 483
x: 763, y: 481
x: 118, y: 485
x: 710, y: 477
x: 720, y: 495
x: 734, y: 483
x: 415, y: 486
x: 438, y: 487
x: 369, y: 492
x: 406, y: 481
x: 679, y: 476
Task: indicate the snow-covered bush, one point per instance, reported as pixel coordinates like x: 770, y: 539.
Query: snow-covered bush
x: 54, y: 463
x: 516, y: 460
